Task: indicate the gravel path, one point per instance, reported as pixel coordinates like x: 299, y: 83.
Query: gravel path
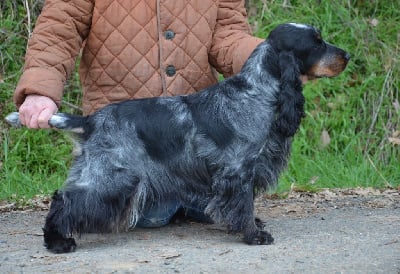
x: 330, y: 232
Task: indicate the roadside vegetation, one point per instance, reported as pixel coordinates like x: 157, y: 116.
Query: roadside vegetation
x: 349, y: 138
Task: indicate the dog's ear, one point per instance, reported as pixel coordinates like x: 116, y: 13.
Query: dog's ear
x: 290, y: 100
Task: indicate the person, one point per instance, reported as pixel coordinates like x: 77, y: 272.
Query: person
x: 131, y: 49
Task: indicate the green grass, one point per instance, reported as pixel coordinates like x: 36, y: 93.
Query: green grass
x: 357, y: 109
x: 33, y: 163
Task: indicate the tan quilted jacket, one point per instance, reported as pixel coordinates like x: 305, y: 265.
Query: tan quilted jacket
x: 134, y: 48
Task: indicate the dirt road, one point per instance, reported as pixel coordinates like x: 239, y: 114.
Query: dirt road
x: 332, y: 232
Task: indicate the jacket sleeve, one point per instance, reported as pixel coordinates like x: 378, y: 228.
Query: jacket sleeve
x: 53, y: 48
x: 232, y: 40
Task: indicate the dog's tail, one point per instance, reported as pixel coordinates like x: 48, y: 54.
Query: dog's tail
x: 69, y: 122
x: 64, y: 121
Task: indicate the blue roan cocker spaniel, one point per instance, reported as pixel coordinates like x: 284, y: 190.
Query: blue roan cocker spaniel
x: 216, y: 148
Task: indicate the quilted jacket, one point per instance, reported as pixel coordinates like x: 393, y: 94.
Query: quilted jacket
x: 134, y: 48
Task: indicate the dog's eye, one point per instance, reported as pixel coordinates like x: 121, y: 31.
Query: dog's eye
x: 319, y: 44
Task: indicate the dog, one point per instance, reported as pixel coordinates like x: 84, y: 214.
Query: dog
x: 216, y: 148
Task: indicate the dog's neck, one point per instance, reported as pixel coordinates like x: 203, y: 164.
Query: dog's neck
x: 263, y: 64
x: 263, y: 61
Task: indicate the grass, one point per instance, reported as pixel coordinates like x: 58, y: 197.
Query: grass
x: 344, y: 141
x: 356, y: 110
x: 32, y: 166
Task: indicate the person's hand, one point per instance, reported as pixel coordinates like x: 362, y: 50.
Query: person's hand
x: 36, y: 111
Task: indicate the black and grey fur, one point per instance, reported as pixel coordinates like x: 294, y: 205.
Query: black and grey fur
x: 216, y: 148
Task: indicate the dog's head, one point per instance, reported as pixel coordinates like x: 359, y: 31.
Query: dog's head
x: 315, y: 57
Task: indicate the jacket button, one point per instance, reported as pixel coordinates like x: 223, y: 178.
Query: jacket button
x: 170, y: 70
x: 169, y: 34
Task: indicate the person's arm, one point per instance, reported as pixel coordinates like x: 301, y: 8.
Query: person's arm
x: 50, y: 58
x: 232, y: 39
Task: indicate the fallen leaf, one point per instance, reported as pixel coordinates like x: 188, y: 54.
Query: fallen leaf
x: 313, y: 180
x: 325, y: 138
x: 328, y: 195
x: 7, y: 207
x: 394, y: 141
x: 374, y: 22
x: 293, y: 208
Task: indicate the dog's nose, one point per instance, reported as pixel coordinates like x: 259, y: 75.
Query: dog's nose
x: 347, y: 56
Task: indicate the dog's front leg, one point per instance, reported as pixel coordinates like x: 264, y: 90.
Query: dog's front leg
x: 254, y: 234
x: 233, y: 205
x: 252, y: 227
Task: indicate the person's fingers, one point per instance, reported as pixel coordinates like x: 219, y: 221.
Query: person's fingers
x: 28, y: 115
x: 44, y: 117
x: 33, y: 122
x: 25, y: 114
x: 22, y: 118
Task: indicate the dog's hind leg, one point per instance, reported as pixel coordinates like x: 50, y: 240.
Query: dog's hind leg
x: 57, y: 231
x: 233, y: 205
x: 80, y: 209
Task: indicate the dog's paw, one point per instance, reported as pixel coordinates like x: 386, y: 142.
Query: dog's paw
x: 64, y: 245
x: 261, y: 237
